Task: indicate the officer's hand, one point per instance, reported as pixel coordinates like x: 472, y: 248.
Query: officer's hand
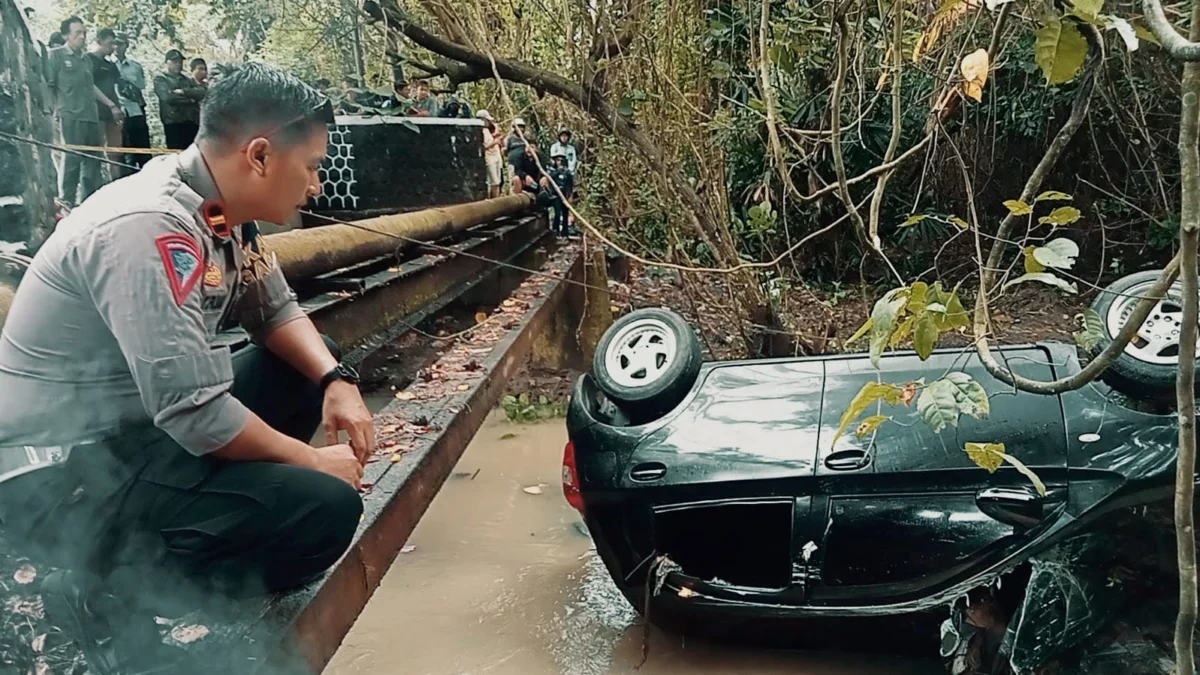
x: 339, y: 461
x: 344, y: 410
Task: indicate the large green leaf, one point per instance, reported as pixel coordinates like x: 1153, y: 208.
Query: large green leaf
x: 1092, y: 332
x: 1052, y: 196
x: 925, y: 334
x: 870, y: 393
x: 858, y: 334
x: 1057, y: 253
x: 869, y: 425
x: 1032, y: 266
x: 918, y: 297
x: 971, y: 397
x: 1060, y: 50
x: 938, y: 406
x: 883, y: 322
x: 1088, y: 10
x: 1045, y: 278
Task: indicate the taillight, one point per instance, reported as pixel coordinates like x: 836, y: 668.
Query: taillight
x: 570, y: 478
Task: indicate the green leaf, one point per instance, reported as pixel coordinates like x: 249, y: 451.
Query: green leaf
x: 913, y: 220
x: 1144, y: 33
x: 1032, y: 266
x: 523, y: 399
x: 925, y: 335
x: 971, y: 397
x: 1092, y: 332
x: 917, y: 297
x: 858, y: 334
x: 870, y: 392
x: 869, y: 425
x: 1045, y: 278
x: 410, y: 125
x: 542, y: 400
x: 1053, y: 196
x: 945, y: 399
x: 1060, y: 50
x: 937, y: 406
x: 1063, y: 215
x: 986, y: 455
x: 960, y: 222
x: 955, y: 316
x: 1088, y: 10
x: 903, y: 331
x: 1018, y: 207
x: 1057, y: 253
x: 1020, y: 466
x: 883, y: 322
x: 509, y: 400
x: 625, y: 107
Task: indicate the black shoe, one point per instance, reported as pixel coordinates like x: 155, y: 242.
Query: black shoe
x: 112, y: 643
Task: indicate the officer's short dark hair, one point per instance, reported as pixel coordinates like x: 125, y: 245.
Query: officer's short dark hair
x: 104, y: 34
x: 56, y: 40
x: 65, y: 26
x: 197, y: 62
x: 173, y: 55
x: 255, y: 98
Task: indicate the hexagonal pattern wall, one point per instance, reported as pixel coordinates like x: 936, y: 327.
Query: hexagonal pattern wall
x: 337, y: 172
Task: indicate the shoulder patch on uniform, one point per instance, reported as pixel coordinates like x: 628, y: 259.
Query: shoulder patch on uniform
x: 181, y: 258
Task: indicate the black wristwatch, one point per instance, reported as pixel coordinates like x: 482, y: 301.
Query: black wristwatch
x: 340, y: 372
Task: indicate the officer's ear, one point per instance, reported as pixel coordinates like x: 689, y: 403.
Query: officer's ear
x: 256, y: 154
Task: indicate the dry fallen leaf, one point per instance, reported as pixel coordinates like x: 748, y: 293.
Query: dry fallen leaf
x: 480, y: 317
x: 39, y: 643
x: 33, y: 608
x: 534, y: 490
x: 975, y: 72
x: 464, y: 387
x: 189, y: 633
x: 909, y: 393
x: 408, y: 549
x: 25, y: 574
x: 397, y: 457
x: 685, y: 592
x: 406, y: 395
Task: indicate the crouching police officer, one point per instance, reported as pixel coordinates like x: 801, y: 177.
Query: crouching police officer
x: 188, y: 470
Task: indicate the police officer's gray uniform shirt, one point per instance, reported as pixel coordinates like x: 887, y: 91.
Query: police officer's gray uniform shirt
x: 113, y: 324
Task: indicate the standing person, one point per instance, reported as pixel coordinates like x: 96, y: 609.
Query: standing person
x: 69, y: 74
x: 492, y: 156
x: 179, y: 99
x: 199, y: 68
x: 105, y: 74
x: 427, y: 103
x: 189, y: 471
x: 135, y: 133
x: 564, y: 178
x: 564, y: 147
x: 514, y: 149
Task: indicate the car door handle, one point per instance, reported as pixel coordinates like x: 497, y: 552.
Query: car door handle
x: 648, y: 471
x: 848, y: 460
x: 1017, y: 506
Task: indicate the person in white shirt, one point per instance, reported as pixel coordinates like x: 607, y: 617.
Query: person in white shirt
x: 135, y: 133
x: 566, y: 149
x: 491, y: 153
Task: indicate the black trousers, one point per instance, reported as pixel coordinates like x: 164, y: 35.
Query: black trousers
x: 135, y: 133
x: 180, y: 135
x: 560, y: 217
x: 165, y: 529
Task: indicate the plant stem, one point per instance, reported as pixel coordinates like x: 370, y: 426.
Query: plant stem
x: 1185, y: 471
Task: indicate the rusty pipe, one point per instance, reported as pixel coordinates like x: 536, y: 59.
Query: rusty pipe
x: 304, y: 254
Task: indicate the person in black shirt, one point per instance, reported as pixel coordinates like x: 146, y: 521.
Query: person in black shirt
x: 564, y: 178
x: 106, y: 75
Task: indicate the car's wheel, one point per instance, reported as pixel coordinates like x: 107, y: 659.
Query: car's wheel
x: 647, y: 361
x: 1148, y: 366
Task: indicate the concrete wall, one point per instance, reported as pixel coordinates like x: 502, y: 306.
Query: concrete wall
x: 28, y: 181
x: 381, y: 165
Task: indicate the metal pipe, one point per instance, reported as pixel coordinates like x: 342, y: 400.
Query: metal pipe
x: 307, y: 253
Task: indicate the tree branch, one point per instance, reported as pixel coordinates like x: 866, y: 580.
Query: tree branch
x: 1179, y: 47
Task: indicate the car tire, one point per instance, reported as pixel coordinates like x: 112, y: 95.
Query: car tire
x: 1145, y: 369
x: 646, y: 362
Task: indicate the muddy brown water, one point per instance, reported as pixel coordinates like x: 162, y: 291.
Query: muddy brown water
x: 502, y: 581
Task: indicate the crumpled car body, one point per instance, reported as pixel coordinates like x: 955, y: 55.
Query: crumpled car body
x: 742, y: 488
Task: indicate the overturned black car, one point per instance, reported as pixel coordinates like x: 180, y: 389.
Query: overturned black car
x: 715, y: 489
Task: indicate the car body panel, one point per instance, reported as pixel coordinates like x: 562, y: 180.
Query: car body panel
x: 905, y: 532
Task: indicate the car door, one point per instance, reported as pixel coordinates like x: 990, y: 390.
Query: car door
x: 907, y: 513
